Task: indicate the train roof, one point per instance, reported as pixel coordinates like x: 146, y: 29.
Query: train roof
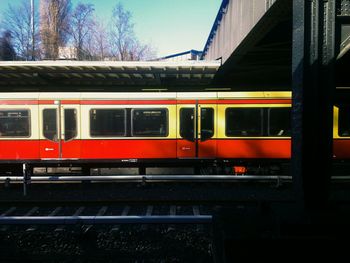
x: 145, y: 95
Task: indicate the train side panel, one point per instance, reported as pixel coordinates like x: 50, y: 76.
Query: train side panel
x: 241, y: 143
x: 129, y: 149
x: 19, y: 138
x: 19, y: 142
x: 341, y: 149
x: 254, y: 149
x: 341, y: 134
x: 126, y: 147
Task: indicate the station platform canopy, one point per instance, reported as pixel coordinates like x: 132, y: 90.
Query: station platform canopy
x: 107, y: 76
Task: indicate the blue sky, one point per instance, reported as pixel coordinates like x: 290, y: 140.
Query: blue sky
x: 171, y: 26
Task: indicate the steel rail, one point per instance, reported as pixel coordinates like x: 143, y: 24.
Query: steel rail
x: 98, y: 220
x: 149, y: 178
x: 160, y: 178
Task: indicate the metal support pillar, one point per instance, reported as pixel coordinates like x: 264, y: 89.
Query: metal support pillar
x: 32, y: 25
x: 26, y: 178
x: 314, y: 54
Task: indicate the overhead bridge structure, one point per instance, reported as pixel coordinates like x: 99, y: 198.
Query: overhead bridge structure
x: 253, y: 40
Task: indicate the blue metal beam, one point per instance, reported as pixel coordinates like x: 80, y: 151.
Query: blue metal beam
x: 215, y: 26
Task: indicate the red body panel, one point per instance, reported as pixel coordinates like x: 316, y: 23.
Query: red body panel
x: 49, y: 149
x: 341, y: 149
x: 128, y: 149
x: 18, y: 102
x: 207, y: 149
x: 19, y: 150
x: 257, y: 148
x: 71, y: 149
x: 186, y: 149
x: 247, y: 101
x: 138, y: 149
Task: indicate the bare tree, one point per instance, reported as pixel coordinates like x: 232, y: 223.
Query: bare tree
x: 122, y: 32
x: 141, y: 51
x: 81, y: 27
x: 97, y: 41
x: 17, y: 20
x: 7, y: 51
x: 123, y: 42
x: 89, y: 35
x: 54, y: 26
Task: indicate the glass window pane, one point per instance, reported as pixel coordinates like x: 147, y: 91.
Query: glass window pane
x: 344, y: 121
x: 107, y: 122
x: 14, y: 123
x: 243, y: 122
x: 70, y: 124
x: 207, y: 123
x: 280, y: 122
x: 50, y: 124
x: 187, y: 123
x: 150, y: 122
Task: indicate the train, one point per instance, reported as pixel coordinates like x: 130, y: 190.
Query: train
x: 220, y: 132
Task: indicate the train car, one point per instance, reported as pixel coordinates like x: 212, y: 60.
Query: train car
x: 230, y: 132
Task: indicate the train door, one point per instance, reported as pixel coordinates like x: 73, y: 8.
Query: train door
x: 196, y: 130
x: 207, y: 118
x: 60, y: 133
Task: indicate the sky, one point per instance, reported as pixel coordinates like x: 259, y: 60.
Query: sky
x: 171, y: 26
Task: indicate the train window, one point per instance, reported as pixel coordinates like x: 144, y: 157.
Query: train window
x: 107, y: 122
x: 207, y: 123
x: 50, y: 124
x: 14, y: 123
x: 344, y: 121
x: 279, y: 122
x: 187, y: 123
x: 150, y: 122
x: 70, y: 124
x: 244, y: 122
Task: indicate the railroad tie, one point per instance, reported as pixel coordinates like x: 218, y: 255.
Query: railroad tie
x: 148, y: 213
x: 196, y: 212
x: 30, y: 213
x: 125, y: 212
x: 53, y: 213
x: 101, y: 212
x: 7, y: 213
x: 172, y: 212
x: 77, y: 213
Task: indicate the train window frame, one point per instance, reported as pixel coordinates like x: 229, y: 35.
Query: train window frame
x: 58, y: 132
x: 76, y: 124
x: 340, y: 107
x: 149, y: 109
x: 260, y: 108
x: 268, y: 122
x: 212, y: 134
x: 183, y: 136
x: 29, y: 123
x: 108, y: 136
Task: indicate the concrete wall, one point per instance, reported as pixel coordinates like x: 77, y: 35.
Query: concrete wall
x: 239, y: 19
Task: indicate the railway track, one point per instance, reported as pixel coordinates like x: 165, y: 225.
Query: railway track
x: 104, y: 215
x: 130, y: 232
x: 155, y: 178
x: 146, y: 178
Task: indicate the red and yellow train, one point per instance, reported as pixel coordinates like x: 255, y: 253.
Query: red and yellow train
x: 115, y: 129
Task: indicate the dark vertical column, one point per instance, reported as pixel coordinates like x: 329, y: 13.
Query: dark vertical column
x: 313, y: 88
